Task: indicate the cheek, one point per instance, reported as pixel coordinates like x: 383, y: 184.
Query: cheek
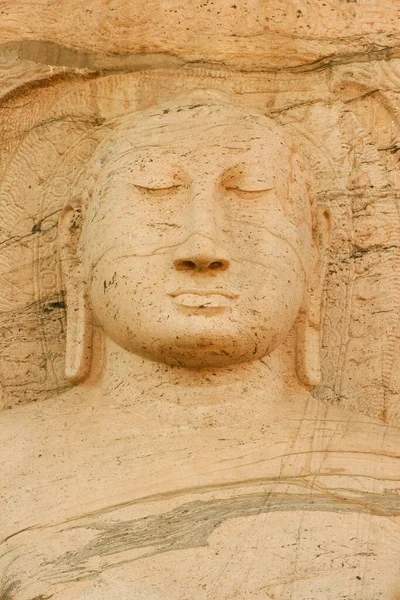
x: 113, y: 297
x: 128, y: 229
x: 278, y: 292
x: 272, y: 264
x: 261, y: 232
x: 122, y: 288
x: 273, y: 282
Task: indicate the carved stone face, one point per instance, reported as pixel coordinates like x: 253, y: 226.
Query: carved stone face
x: 197, y: 237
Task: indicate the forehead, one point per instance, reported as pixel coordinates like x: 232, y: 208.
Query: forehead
x: 188, y: 131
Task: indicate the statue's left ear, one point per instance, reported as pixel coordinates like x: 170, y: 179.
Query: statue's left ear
x: 79, y: 314
x: 308, y: 363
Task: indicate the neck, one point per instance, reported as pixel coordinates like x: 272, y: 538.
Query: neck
x: 229, y: 393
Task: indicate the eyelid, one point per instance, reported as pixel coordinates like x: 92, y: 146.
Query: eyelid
x: 158, y: 189
x: 236, y: 188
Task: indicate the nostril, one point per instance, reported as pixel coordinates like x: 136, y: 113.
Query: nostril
x: 219, y: 265
x: 216, y: 265
x: 185, y: 265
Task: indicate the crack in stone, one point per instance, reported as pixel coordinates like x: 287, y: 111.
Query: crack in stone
x: 57, y: 55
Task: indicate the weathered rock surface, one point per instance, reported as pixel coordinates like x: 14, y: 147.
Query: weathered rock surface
x: 250, y: 35
x: 199, y: 300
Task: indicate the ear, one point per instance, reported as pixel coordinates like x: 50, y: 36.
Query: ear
x: 79, y: 314
x: 308, y: 363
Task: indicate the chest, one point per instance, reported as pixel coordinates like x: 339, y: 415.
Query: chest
x: 274, y: 540
x: 212, y: 517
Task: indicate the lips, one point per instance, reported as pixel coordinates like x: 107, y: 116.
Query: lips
x: 204, y: 292
x: 203, y: 299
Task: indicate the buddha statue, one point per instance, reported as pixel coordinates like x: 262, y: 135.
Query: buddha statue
x: 190, y: 461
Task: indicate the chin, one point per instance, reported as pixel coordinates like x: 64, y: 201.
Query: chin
x: 206, y: 349
x: 204, y: 342
x: 201, y: 358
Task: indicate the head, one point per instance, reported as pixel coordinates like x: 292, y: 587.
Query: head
x: 196, y: 242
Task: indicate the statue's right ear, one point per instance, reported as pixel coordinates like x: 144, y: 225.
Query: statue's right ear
x: 79, y: 314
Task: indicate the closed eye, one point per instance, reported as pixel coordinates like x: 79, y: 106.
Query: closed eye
x: 158, y: 191
x: 241, y: 193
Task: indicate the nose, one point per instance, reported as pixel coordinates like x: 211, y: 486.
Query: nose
x: 202, y: 249
x: 200, y: 253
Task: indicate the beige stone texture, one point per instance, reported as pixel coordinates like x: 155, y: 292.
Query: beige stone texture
x: 199, y: 300
x: 251, y: 34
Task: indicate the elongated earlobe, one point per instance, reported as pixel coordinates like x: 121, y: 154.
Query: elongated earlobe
x: 308, y: 361
x: 79, y: 315
x: 79, y: 336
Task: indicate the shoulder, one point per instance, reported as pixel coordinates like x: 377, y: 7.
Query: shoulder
x: 338, y: 426
x: 363, y: 447
x: 360, y: 433
x: 39, y: 454
x: 26, y: 432
x: 342, y: 442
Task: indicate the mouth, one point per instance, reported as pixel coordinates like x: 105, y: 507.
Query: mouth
x: 205, y: 292
x: 203, y: 300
